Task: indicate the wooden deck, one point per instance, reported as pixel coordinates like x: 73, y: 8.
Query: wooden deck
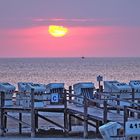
x: 93, y: 112
x: 94, y: 115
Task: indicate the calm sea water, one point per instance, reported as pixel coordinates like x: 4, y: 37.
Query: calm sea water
x: 68, y: 70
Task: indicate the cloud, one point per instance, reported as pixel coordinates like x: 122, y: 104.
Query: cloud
x: 67, y: 20
x: 72, y: 21
x: 38, y: 21
x: 43, y: 21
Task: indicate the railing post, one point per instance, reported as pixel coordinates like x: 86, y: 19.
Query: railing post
x: 65, y: 112
x: 126, y: 115
x: 98, y: 98
x: 118, y: 104
x: 32, y: 114
x: 97, y: 127
x: 133, y: 100
x: 2, y: 113
x: 36, y: 119
x: 5, y: 120
x: 138, y: 116
x: 70, y: 92
x: 105, y: 112
x: 20, y: 125
x: 85, y: 117
x: 70, y: 125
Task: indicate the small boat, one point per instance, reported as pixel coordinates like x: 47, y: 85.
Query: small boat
x: 83, y: 57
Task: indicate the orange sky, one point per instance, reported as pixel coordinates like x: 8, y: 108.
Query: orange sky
x: 92, y: 41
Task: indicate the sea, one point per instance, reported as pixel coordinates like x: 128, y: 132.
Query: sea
x: 68, y: 70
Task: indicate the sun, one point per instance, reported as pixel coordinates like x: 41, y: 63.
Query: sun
x: 57, y: 31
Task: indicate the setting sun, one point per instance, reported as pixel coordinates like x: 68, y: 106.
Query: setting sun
x: 57, y: 31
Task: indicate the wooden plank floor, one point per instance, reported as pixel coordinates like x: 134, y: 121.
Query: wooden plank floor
x: 96, y: 113
x: 93, y: 112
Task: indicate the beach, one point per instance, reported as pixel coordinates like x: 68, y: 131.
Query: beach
x: 68, y: 71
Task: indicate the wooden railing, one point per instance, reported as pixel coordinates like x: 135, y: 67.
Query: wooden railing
x: 100, y: 101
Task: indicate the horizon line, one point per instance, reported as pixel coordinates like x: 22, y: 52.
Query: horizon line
x: 71, y: 57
